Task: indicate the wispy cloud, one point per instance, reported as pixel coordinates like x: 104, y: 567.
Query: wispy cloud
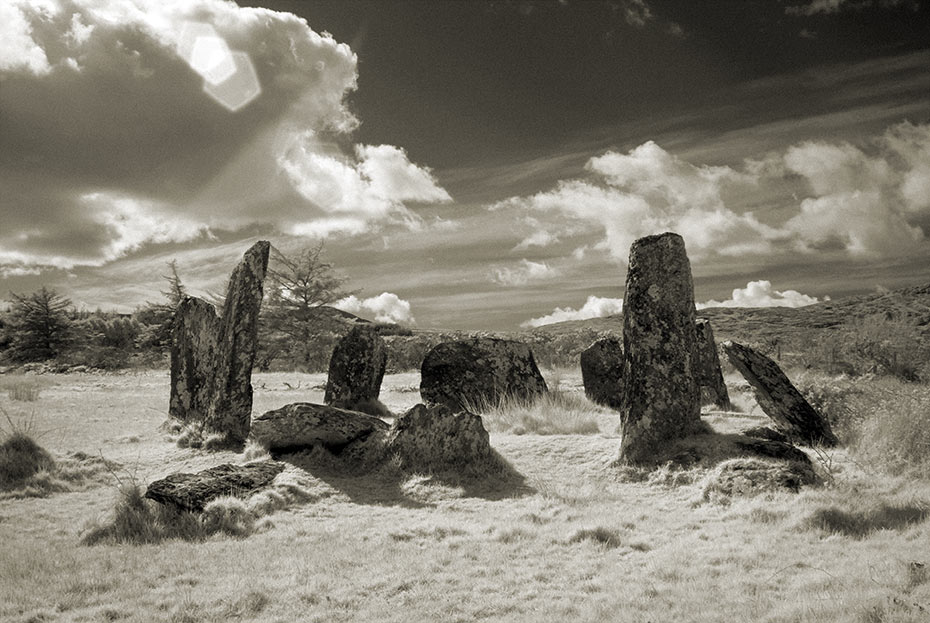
x: 525, y: 273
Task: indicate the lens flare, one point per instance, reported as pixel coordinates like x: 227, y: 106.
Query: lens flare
x: 229, y: 77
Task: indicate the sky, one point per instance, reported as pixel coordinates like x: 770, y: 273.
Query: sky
x: 467, y: 165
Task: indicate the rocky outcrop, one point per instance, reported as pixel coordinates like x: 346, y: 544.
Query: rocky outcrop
x: 211, y: 357
x: 479, y: 372
x: 602, y: 372
x: 780, y: 400
x: 231, y: 409
x: 707, y: 367
x: 661, y: 399
x: 193, y: 352
x: 303, y: 424
x: 764, y: 432
x: 356, y: 369
x: 436, y: 439
x: 191, y: 492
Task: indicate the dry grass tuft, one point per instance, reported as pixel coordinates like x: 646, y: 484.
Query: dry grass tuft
x: 136, y: 521
x: 861, y: 522
x: 21, y: 459
x: 228, y: 515
x: 608, y: 537
x: 553, y: 413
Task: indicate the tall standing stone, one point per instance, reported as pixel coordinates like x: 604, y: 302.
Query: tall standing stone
x: 779, y: 398
x: 193, y: 355
x: 602, y: 372
x: 231, y: 410
x: 708, y: 372
x: 661, y: 399
x: 356, y: 368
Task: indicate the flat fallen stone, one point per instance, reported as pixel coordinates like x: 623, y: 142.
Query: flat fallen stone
x: 478, y: 373
x: 192, y: 492
x: 305, y: 424
x: 779, y: 398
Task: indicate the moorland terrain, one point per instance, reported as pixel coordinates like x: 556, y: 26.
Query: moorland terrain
x: 570, y: 535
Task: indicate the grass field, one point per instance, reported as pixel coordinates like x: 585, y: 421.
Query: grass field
x: 576, y: 540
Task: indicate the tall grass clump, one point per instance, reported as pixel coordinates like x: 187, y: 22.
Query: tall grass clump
x: 552, y: 413
x: 885, y: 421
x: 21, y: 458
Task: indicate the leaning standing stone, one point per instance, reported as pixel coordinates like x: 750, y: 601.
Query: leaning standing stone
x: 356, y: 369
x: 602, y: 372
x: 780, y: 400
x: 479, y: 372
x: 661, y: 399
x: 231, y: 411
x: 707, y: 367
x: 193, y: 351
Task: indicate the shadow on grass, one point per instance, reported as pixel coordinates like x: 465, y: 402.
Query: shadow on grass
x: 383, y: 481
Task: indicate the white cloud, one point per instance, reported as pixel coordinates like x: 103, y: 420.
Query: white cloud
x: 539, y: 238
x: 649, y: 191
x: 636, y: 12
x: 761, y: 294
x: 386, y: 307
x: 263, y: 165
x: 835, y: 6
x: 528, y: 271
x: 18, y: 49
x: 862, y: 203
x: 594, y: 307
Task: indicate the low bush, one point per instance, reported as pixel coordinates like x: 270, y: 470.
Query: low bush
x: 20, y: 459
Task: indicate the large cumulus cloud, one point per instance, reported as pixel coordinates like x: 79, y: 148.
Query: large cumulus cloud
x: 869, y: 200
x: 101, y: 112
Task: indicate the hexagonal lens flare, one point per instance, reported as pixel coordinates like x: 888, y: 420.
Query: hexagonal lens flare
x: 229, y: 77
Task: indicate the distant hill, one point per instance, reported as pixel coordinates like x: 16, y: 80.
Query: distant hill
x: 909, y: 305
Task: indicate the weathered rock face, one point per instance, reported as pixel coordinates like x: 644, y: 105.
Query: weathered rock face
x: 304, y: 424
x: 356, y: 368
x: 707, y: 367
x: 476, y: 372
x: 192, y: 491
x: 780, y: 400
x: 196, y: 328
x: 602, y: 372
x: 437, y: 439
x: 764, y: 432
x: 231, y: 409
x: 661, y: 399
x: 748, y: 476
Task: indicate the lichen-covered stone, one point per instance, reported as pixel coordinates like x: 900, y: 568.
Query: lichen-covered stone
x: 303, y: 424
x: 192, y: 491
x: 750, y: 476
x: 707, y: 367
x: 356, y: 368
x: 436, y: 439
x: 231, y: 409
x: 193, y: 352
x: 602, y: 372
x: 779, y: 398
x: 661, y: 398
x: 479, y: 372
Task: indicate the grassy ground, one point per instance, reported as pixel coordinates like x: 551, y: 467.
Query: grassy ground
x: 575, y: 541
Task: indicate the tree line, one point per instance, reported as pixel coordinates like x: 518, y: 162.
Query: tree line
x: 296, y: 326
